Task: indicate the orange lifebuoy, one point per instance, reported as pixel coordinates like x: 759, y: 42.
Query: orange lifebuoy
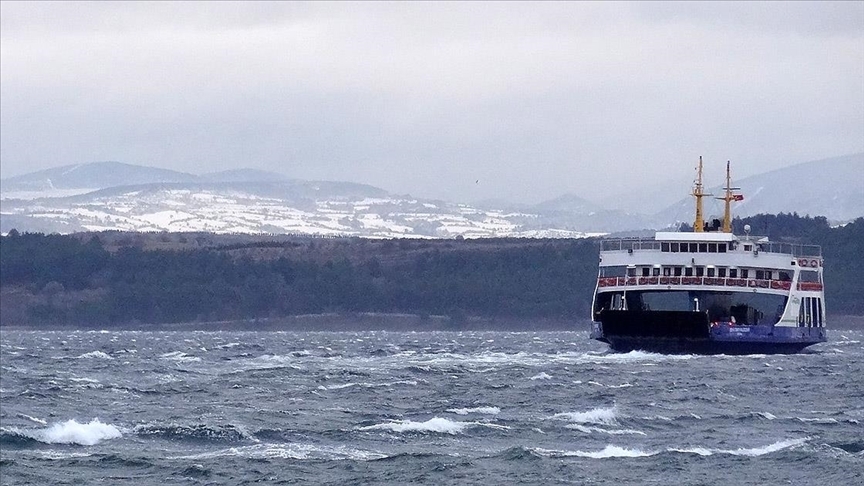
x: 752, y: 283
x: 802, y: 262
x: 814, y: 263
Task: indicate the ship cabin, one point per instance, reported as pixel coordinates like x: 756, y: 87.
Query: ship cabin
x: 737, y: 280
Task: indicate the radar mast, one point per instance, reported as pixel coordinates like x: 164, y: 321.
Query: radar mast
x: 727, y: 199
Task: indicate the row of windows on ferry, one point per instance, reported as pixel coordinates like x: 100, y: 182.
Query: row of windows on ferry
x: 706, y: 271
x: 676, y: 247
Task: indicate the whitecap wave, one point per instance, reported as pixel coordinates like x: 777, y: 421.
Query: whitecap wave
x: 290, y: 451
x: 599, y: 415
x: 590, y: 429
x: 610, y: 451
x: 481, y: 410
x: 94, y: 355
x: 368, y: 385
x: 73, y: 432
x: 33, y: 419
x: 541, y: 376
x: 751, y: 452
x: 817, y: 420
x: 180, y: 357
x: 435, y: 425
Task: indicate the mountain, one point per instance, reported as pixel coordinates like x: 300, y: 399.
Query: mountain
x: 246, y: 201
x: 95, y: 175
x: 832, y: 187
x: 116, y: 196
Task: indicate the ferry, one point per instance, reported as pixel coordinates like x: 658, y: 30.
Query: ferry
x: 709, y: 291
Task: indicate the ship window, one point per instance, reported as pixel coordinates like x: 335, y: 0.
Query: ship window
x: 721, y: 248
x: 710, y: 272
x: 721, y: 272
x: 613, y: 271
x: 809, y: 276
x: 655, y: 271
x: 745, y: 273
x: 688, y: 271
x: 667, y: 271
x: 733, y: 273
x: 760, y: 274
x: 664, y: 246
x: 646, y: 271
x: 693, y: 247
x: 674, y: 247
x: 784, y: 276
x: 748, y: 247
x: 700, y: 271
x: 712, y: 247
x: 703, y: 247
x: 677, y: 271
x: 631, y: 271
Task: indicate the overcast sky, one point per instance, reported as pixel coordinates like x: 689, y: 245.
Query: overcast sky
x: 465, y: 101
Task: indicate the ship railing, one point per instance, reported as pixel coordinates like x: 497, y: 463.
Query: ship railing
x: 641, y: 243
x: 754, y: 283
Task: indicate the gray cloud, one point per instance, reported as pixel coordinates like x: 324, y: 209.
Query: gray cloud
x: 459, y: 100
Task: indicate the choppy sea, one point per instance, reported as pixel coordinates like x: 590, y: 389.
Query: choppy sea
x: 124, y: 407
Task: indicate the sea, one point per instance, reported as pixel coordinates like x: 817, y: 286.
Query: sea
x: 443, y: 408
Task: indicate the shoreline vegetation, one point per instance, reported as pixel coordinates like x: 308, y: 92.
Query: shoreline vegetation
x: 194, y: 281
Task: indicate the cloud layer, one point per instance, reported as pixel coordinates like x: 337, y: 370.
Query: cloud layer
x: 519, y: 101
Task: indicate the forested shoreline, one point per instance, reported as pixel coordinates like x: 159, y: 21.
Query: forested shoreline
x: 143, y: 280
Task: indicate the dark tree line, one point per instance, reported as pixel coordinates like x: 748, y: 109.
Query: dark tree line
x: 509, y: 278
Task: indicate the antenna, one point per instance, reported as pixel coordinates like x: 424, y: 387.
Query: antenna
x: 699, y: 223
x: 727, y: 198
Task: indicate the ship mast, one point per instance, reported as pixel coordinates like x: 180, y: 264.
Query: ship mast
x: 727, y: 199
x: 699, y: 223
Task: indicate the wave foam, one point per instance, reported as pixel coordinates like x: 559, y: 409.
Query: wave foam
x: 94, y: 355
x: 180, y: 357
x: 483, y: 410
x: 73, y: 432
x: 611, y: 451
x: 291, y: 451
x: 588, y: 430
x: 607, y: 452
x: 751, y: 452
x: 600, y: 416
x: 435, y: 424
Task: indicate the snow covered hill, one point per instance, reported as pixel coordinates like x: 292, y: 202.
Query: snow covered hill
x: 288, y: 207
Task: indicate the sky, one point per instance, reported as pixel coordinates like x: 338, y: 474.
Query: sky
x: 462, y: 101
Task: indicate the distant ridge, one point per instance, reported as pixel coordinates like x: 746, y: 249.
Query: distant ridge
x: 93, y: 175
x: 116, y: 196
x: 831, y: 187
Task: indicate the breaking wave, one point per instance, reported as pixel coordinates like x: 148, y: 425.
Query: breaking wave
x: 95, y: 355
x: 69, y: 432
x: 600, y: 416
x: 291, y: 451
x: 481, y: 410
x: 435, y: 425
